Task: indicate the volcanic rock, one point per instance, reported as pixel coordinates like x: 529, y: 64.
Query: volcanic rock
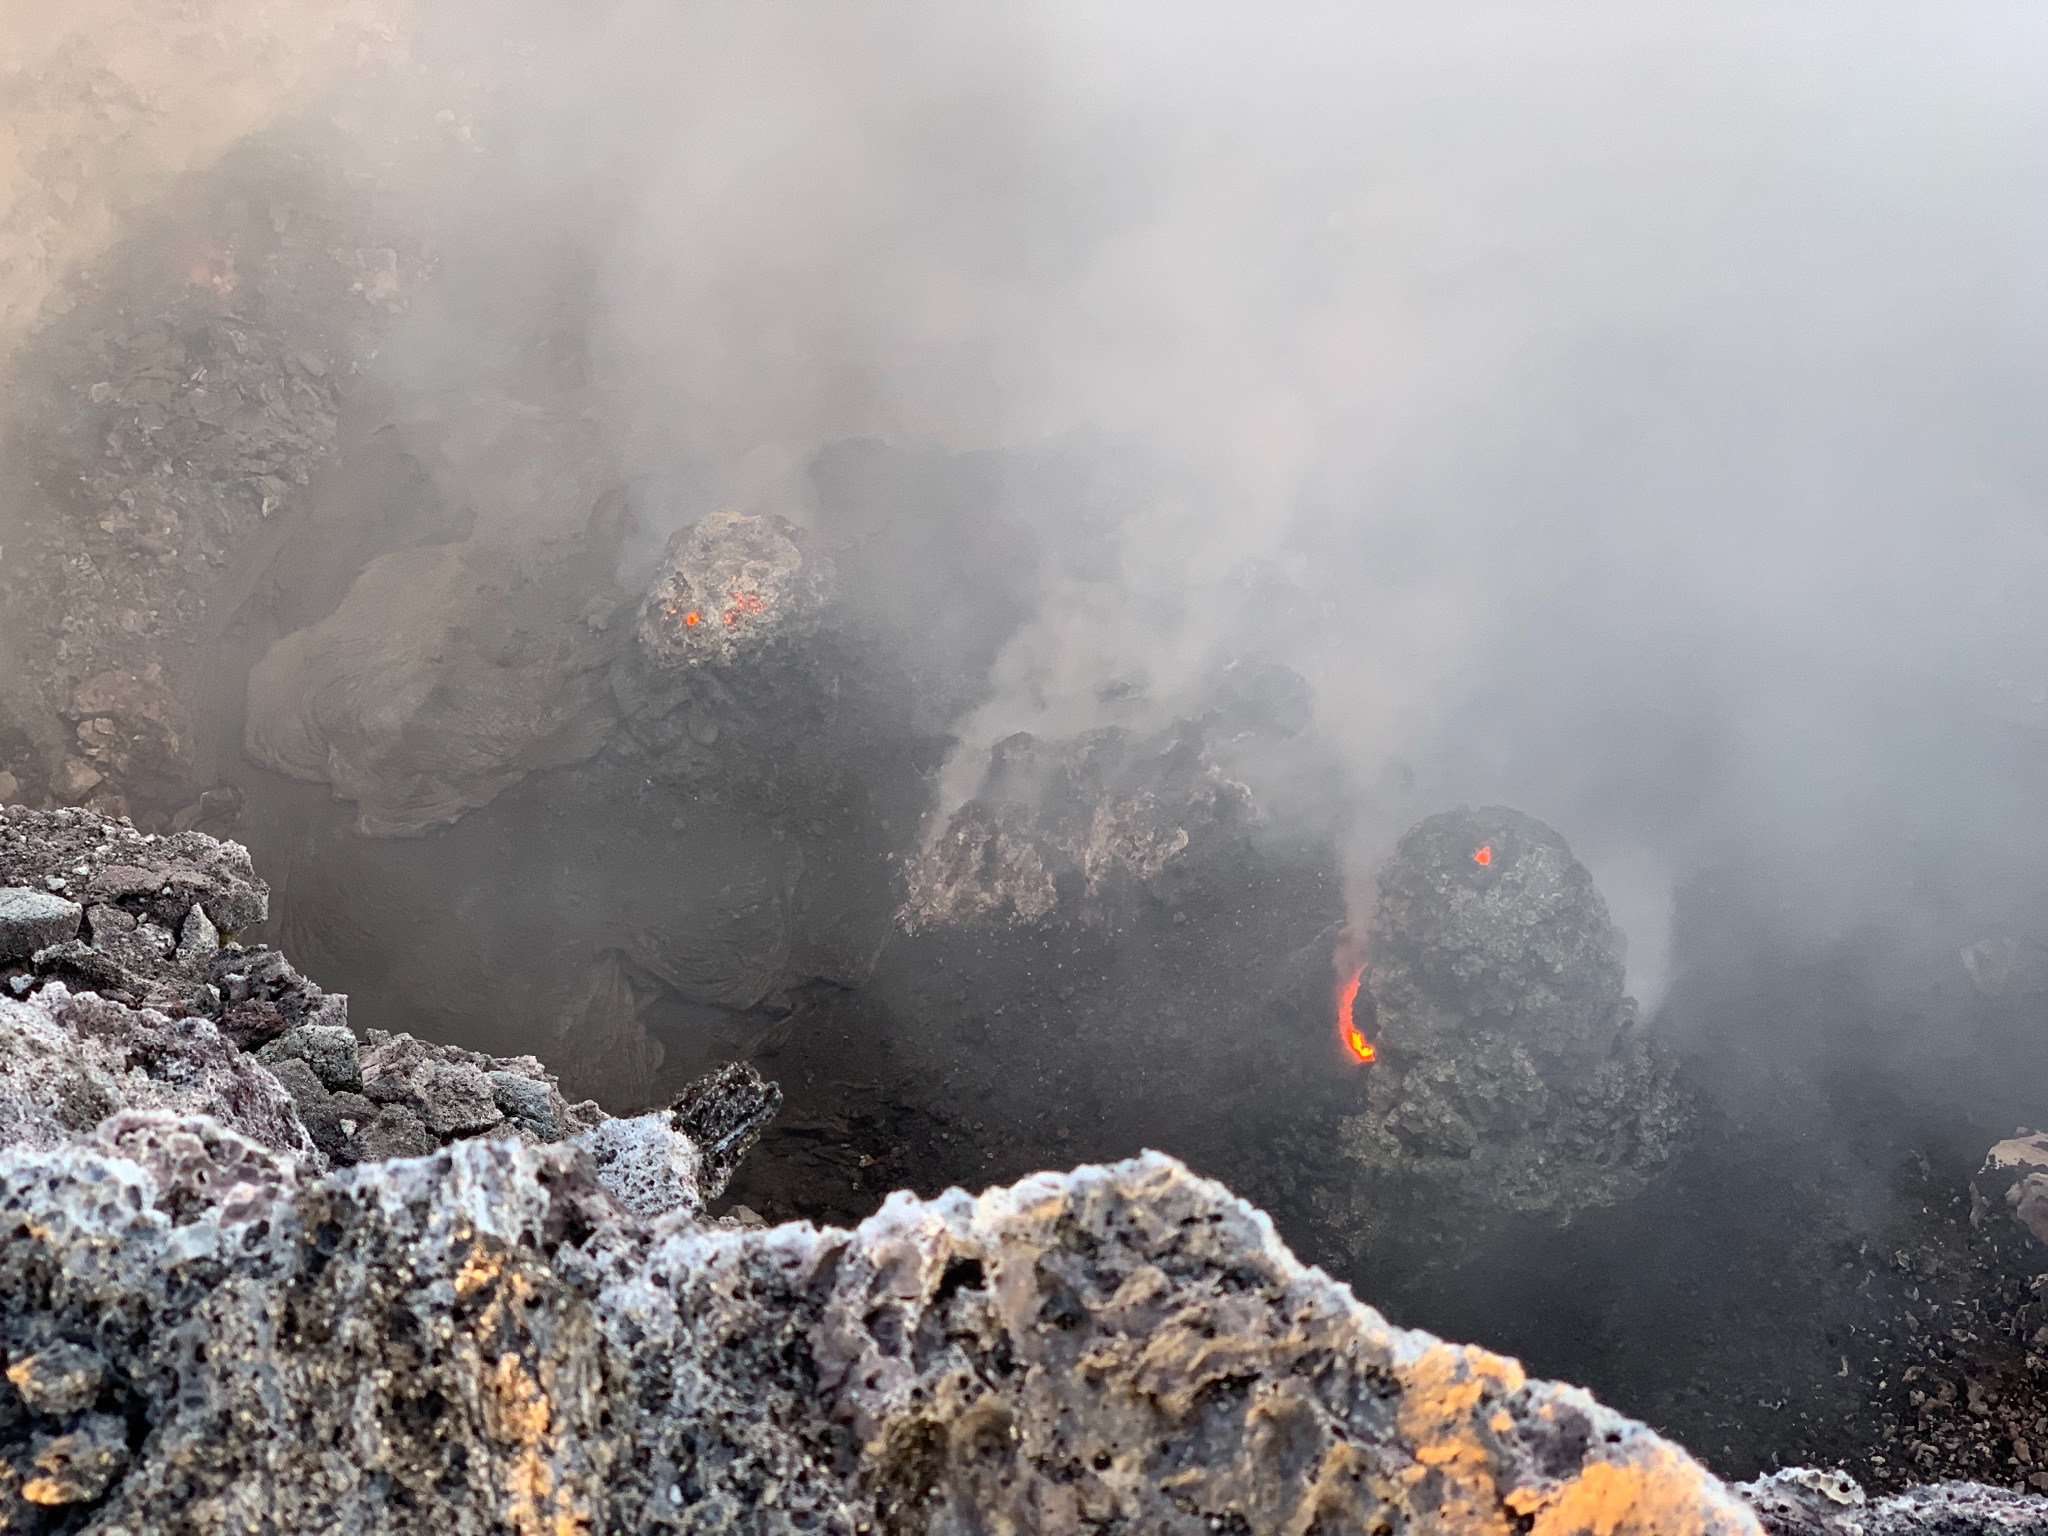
x: 724, y: 1113
x: 67, y: 1063
x: 2015, y: 1176
x: 445, y: 677
x: 485, y: 1339
x: 1511, y: 1071
x: 31, y: 920
x: 1083, y: 828
x: 1804, y: 1501
x: 726, y: 584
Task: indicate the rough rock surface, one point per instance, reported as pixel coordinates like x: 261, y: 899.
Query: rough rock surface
x: 480, y: 1341
x: 1803, y: 1501
x: 67, y: 1063
x: 1511, y: 1069
x: 182, y: 394
x: 729, y: 583
x: 1076, y: 830
x: 151, y: 914
x: 144, y: 915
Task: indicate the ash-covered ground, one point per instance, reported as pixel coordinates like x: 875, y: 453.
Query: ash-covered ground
x: 550, y: 756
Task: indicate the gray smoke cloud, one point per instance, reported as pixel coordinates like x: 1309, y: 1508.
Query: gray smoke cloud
x: 1625, y: 413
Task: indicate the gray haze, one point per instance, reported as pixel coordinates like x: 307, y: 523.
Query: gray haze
x: 1627, y: 413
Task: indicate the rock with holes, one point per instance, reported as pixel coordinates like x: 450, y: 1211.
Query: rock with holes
x: 68, y: 1062
x: 1806, y: 1501
x: 486, y: 1339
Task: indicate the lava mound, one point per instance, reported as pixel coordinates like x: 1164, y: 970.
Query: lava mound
x: 1512, y: 1072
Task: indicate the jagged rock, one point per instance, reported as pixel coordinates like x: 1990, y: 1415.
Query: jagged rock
x: 262, y: 975
x: 1078, y: 829
x: 67, y: 1063
x: 331, y: 1051
x: 76, y: 1466
x: 153, y: 908
x: 62, y: 1379
x: 96, y: 859
x: 1804, y: 1501
x: 724, y: 1113
x: 448, y: 1097
x: 728, y: 584
x: 482, y: 1339
x: 529, y: 1101
x: 31, y: 920
x: 395, y: 1132
x: 1511, y: 1070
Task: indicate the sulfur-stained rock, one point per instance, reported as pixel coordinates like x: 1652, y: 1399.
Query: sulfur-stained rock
x: 76, y: 1466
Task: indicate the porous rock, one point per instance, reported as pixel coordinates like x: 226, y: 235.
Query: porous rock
x: 647, y: 1165
x: 482, y: 1340
x: 67, y: 1063
x: 1808, y: 1501
x: 31, y: 920
x: 330, y: 1051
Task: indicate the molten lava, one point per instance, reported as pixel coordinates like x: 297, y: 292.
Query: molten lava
x: 693, y: 618
x: 1361, y: 1049
x: 744, y: 602
x: 1484, y: 856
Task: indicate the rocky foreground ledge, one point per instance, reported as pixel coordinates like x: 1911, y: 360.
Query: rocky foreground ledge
x: 486, y: 1340
x: 212, y: 1322
x: 201, y: 1335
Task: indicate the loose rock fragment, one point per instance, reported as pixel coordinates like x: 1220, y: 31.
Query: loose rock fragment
x: 31, y: 920
x: 60, y: 1379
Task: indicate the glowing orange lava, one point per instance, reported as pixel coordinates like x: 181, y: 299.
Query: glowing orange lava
x: 743, y: 602
x: 1361, y: 1049
x: 1484, y: 856
x: 693, y: 618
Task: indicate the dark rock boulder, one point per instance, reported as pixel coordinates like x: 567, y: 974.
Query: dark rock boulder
x: 1511, y: 1070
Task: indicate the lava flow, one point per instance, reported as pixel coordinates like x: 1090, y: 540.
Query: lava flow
x: 1361, y: 1049
x: 1484, y: 856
